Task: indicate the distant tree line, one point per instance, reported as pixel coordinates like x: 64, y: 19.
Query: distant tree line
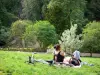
x: 56, y: 16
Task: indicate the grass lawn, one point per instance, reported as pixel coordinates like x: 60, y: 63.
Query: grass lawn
x: 13, y: 63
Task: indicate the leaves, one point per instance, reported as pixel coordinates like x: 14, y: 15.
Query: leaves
x: 17, y: 31
x: 62, y: 12
x: 31, y: 10
x: 42, y: 32
x: 69, y: 39
x: 91, y: 37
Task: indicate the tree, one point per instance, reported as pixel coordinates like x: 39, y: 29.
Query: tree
x: 69, y: 39
x: 62, y: 12
x: 9, y: 11
x: 43, y: 32
x: 93, y: 10
x: 4, y: 34
x: 30, y: 37
x: 44, y: 8
x: 91, y: 37
x: 31, y: 9
x: 34, y: 9
x: 17, y: 31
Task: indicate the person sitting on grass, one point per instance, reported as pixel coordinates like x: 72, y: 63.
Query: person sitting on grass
x: 76, y: 54
x: 58, y: 54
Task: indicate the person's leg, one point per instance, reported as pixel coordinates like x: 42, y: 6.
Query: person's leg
x: 50, y: 62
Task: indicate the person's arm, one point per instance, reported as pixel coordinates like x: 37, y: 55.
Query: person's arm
x: 55, y: 58
x: 73, y: 53
x: 62, y: 53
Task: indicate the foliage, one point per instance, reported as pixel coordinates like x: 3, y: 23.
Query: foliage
x: 29, y: 36
x: 12, y: 6
x: 31, y: 9
x: 34, y: 9
x: 9, y: 11
x: 93, y: 10
x: 18, y: 29
x: 62, y: 12
x: 43, y: 32
x: 69, y: 39
x: 13, y: 63
x: 44, y: 8
x: 91, y: 37
x: 4, y: 34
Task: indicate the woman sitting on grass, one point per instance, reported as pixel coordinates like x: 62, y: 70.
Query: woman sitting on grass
x: 58, y: 54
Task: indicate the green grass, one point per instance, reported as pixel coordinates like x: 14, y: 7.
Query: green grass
x: 13, y: 63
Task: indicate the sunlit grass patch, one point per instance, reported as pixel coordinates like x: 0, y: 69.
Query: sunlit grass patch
x: 14, y: 63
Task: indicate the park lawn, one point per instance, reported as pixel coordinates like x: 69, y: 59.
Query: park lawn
x: 13, y: 63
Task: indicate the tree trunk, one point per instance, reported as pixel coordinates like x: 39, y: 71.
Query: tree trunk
x: 91, y: 54
x: 23, y: 43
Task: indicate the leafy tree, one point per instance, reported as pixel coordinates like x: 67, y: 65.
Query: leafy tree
x: 18, y: 29
x: 91, y: 37
x: 30, y: 36
x: 9, y: 11
x: 43, y: 32
x: 62, y: 12
x: 69, y: 39
x: 12, y: 6
x: 44, y: 8
x: 31, y: 9
x: 93, y: 10
x: 4, y: 34
x: 34, y: 9
x: 5, y: 20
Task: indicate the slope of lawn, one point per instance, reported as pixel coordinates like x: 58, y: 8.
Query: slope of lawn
x: 13, y: 63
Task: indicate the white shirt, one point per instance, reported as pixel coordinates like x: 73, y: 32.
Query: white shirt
x: 76, y: 54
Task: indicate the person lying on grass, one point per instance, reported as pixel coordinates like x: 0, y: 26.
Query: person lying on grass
x: 76, y: 54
